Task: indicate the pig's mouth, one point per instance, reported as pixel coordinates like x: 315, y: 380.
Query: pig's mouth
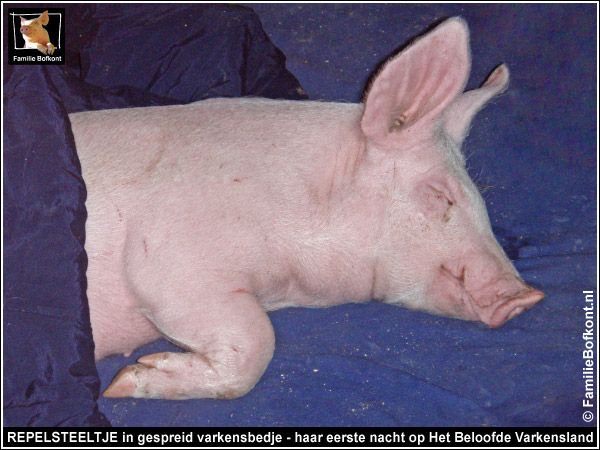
x: 492, y: 303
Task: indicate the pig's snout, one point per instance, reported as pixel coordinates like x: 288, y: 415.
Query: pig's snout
x: 514, y: 306
x: 24, y: 30
x: 492, y: 302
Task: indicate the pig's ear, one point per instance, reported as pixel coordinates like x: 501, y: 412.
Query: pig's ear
x: 23, y: 20
x: 412, y: 90
x: 459, y: 115
x: 44, y: 18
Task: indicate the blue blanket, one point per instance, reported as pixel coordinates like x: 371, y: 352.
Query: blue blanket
x: 533, y: 151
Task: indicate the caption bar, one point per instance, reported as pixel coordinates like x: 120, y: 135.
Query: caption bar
x: 298, y: 437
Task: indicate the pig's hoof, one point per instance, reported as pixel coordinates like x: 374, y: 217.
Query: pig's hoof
x: 51, y: 49
x: 125, y: 382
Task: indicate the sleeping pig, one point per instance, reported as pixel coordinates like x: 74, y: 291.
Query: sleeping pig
x: 204, y: 217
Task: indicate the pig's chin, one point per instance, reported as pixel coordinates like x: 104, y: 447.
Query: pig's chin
x: 493, y: 303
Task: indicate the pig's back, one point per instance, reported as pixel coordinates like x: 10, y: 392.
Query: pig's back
x: 228, y: 151
x: 259, y: 136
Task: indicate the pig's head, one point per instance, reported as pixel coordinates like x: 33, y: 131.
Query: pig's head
x: 34, y: 27
x: 438, y: 250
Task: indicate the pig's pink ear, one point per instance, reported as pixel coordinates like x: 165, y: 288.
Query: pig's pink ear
x: 44, y: 18
x: 23, y: 20
x: 412, y: 90
x: 459, y: 115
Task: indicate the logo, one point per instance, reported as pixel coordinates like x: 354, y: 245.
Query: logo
x: 36, y: 36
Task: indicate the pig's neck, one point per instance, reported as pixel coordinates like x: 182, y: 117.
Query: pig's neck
x: 333, y: 260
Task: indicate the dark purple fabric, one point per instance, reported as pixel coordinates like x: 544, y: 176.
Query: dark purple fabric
x: 193, y: 52
x: 183, y: 52
x: 49, y: 372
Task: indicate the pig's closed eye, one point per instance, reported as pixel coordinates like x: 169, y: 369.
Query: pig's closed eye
x: 443, y: 202
x: 439, y: 195
x: 436, y: 201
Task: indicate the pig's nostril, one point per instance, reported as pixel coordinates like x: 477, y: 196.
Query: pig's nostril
x: 24, y: 30
x: 515, y: 312
x: 515, y: 306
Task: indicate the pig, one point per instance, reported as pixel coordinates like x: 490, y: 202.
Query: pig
x: 204, y: 217
x: 35, y: 35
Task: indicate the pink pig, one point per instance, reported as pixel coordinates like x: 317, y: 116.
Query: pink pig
x: 35, y: 34
x: 203, y: 217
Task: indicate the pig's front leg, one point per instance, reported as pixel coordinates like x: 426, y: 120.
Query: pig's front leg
x: 51, y: 48
x: 40, y: 47
x: 229, y: 343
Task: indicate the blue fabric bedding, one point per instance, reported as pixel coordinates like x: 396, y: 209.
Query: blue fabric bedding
x: 532, y: 150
